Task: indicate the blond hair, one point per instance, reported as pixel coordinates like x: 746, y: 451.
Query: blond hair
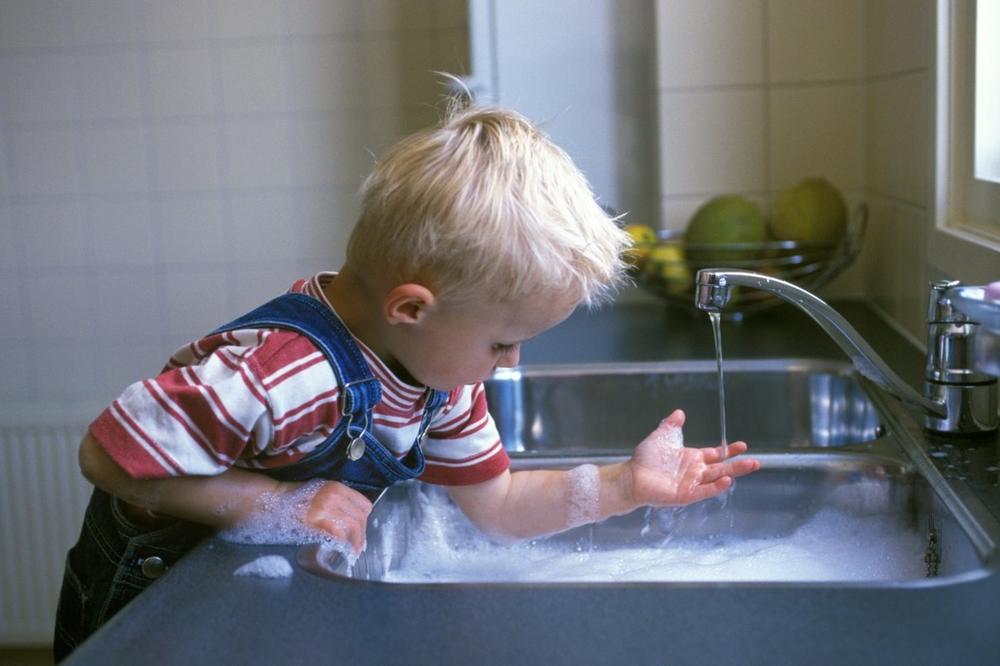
x: 485, y: 205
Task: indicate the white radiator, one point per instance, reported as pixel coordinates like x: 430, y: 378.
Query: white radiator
x: 42, y: 500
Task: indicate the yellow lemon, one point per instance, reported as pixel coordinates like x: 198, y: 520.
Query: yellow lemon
x: 643, y: 240
x: 667, y: 261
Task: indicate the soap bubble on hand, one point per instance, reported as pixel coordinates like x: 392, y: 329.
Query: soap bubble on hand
x: 668, y: 442
x: 283, y: 518
x: 666, y: 473
x: 663, y: 447
x: 583, y: 501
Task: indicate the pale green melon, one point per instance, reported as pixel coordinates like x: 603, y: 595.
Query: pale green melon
x: 814, y: 211
x: 725, y: 219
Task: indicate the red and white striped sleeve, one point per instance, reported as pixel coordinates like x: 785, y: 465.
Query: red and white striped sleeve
x: 463, y: 445
x: 249, y: 394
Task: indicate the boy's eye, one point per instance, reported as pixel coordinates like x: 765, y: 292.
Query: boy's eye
x: 505, y: 349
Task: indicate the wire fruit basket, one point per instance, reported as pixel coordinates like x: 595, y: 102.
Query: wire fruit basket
x: 669, y: 266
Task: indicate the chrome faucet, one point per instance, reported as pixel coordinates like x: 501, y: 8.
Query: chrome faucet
x: 958, y: 399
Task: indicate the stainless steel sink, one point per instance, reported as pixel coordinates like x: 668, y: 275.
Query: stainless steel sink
x: 846, y: 494
x: 838, y: 518
x: 609, y: 408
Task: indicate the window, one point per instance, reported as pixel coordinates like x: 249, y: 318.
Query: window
x: 986, y: 143
x: 969, y: 119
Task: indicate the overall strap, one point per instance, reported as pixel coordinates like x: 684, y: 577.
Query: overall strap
x: 306, y: 315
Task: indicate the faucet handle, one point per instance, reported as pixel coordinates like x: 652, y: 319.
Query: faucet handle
x: 939, y: 305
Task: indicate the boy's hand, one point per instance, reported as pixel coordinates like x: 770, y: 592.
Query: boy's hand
x: 341, y: 512
x: 663, y: 472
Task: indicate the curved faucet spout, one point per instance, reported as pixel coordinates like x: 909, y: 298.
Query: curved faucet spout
x: 712, y: 293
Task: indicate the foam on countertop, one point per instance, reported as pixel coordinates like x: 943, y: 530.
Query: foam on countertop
x: 266, y: 566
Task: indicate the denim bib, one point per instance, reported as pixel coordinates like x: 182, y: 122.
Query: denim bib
x: 351, y: 454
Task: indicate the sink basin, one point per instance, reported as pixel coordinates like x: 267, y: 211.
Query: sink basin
x: 609, y: 408
x: 837, y: 518
x: 846, y: 494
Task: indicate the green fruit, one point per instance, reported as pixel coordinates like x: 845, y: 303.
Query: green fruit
x: 725, y: 219
x: 813, y: 211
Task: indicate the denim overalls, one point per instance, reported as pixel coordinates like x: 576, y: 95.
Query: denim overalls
x: 351, y: 454
x: 115, y: 558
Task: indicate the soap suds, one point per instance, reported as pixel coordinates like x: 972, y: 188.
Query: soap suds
x: 662, y: 449
x: 864, y: 496
x: 278, y: 518
x: 584, y: 488
x: 266, y: 566
x: 433, y: 541
x: 668, y: 442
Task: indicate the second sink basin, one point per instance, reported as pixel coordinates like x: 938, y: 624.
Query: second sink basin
x: 608, y: 408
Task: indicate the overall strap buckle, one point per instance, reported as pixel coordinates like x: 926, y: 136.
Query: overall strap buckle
x: 359, y: 398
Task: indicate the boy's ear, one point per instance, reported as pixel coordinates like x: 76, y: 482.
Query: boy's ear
x: 407, y: 303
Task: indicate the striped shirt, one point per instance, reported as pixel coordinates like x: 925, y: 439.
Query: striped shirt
x: 264, y: 398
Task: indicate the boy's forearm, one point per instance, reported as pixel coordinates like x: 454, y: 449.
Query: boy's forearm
x: 531, y: 503
x: 218, y: 501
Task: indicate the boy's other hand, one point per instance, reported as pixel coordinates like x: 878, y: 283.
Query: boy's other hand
x: 663, y: 472
x: 341, y: 512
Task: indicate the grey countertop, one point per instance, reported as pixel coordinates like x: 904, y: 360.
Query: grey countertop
x: 200, y: 613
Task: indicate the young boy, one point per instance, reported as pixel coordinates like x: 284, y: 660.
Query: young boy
x: 474, y: 236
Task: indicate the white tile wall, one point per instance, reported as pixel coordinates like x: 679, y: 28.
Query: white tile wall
x: 321, y: 17
x: 264, y: 92
x: 712, y: 141
x: 44, y: 162
x: 815, y: 40
x: 54, y: 234
x: 114, y: 85
x: 129, y: 127
x: 166, y: 165
x: 180, y: 81
x: 185, y: 156
x: 756, y: 94
x: 35, y: 24
x: 899, y: 135
x: 44, y: 86
x: 123, y: 302
x: 114, y: 160
x: 816, y: 130
x: 122, y: 231
x: 258, y: 153
x: 710, y: 43
x: 250, y: 18
x: 899, y: 109
x: 105, y: 22
x: 898, y: 36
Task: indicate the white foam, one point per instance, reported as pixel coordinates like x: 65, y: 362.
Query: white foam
x: 671, y: 437
x: 583, y: 496
x: 266, y: 566
x: 833, y: 545
x: 667, y: 443
x: 278, y: 519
